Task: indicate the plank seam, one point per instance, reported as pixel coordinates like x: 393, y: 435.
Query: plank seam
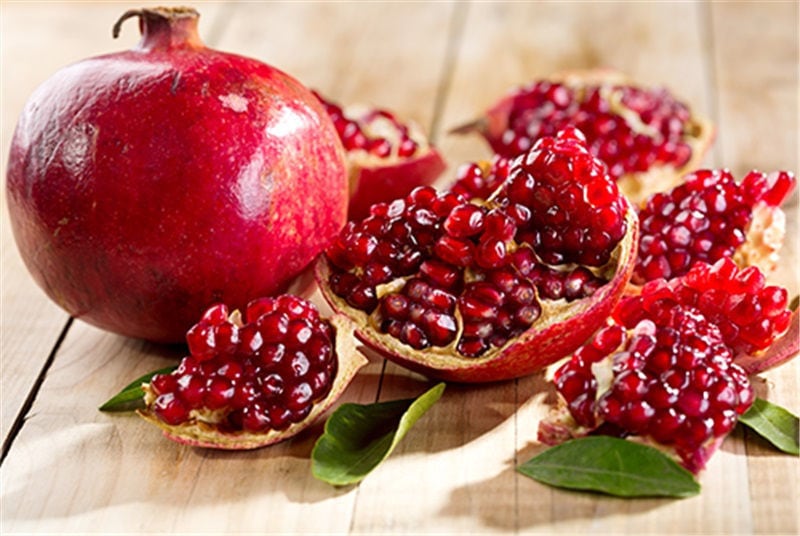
x: 22, y: 415
x: 706, y: 30
x: 455, y: 32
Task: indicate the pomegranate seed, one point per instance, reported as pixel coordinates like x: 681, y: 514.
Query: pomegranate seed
x: 170, y: 409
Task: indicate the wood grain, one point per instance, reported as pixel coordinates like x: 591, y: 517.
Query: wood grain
x: 71, y: 468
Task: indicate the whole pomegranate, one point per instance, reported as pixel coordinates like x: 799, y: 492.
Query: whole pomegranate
x: 484, y: 289
x: 145, y: 185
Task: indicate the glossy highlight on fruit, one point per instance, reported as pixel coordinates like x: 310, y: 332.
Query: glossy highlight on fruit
x: 146, y: 185
x: 255, y: 378
x: 488, y: 289
x: 646, y: 136
x: 386, y: 157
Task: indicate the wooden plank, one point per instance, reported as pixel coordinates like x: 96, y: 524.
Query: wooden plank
x: 757, y: 116
x: 505, y: 45
x: 74, y: 469
x: 189, y: 492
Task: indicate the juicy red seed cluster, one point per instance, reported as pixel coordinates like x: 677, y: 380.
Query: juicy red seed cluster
x: 569, y: 208
x: 674, y: 382
x: 354, y: 132
x: 703, y: 219
x: 575, y: 380
x: 263, y: 374
x: 543, y: 108
x: 433, y: 240
x: 750, y: 314
x: 476, y: 181
x: 426, y: 263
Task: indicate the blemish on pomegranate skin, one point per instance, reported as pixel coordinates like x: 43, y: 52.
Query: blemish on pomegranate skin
x: 237, y: 103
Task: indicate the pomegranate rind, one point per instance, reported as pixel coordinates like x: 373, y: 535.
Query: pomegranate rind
x: 700, y: 133
x: 763, y: 238
x: 561, y: 328
x: 781, y: 351
x: 198, y: 433
x: 375, y: 180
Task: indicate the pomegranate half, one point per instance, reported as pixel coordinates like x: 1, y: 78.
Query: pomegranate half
x: 485, y: 289
x: 647, y: 137
x: 146, y: 185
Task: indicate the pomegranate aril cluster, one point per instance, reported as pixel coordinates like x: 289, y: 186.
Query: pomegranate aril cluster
x: 479, y: 180
x: 750, y: 314
x: 356, y: 134
x: 673, y: 381
x: 568, y: 208
x: 260, y: 373
x: 431, y: 266
x: 704, y: 219
x: 602, y: 113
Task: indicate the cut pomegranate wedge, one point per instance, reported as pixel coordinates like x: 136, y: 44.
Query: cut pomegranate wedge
x: 669, y: 380
x: 387, y: 157
x: 488, y: 289
x: 251, y: 381
x: 711, y: 216
x: 647, y: 137
x: 672, y: 366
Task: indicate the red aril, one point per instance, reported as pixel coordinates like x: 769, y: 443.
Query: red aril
x: 386, y: 157
x: 488, y: 289
x: 647, y: 137
x: 145, y: 185
x: 255, y: 378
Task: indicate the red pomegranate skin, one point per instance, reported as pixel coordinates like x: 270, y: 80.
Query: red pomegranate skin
x: 145, y: 185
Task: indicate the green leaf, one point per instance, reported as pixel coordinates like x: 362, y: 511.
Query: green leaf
x: 132, y: 396
x: 613, y: 466
x: 358, y: 437
x: 775, y: 424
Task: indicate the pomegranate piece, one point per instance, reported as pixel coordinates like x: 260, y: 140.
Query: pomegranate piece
x: 711, y: 216
x: 491, y: 289
x: 145, y: 185
x: 386, y: 157
x: 670, y: 380
x: 750, y: 314
x: 254, y: 379
x: 647, y: 137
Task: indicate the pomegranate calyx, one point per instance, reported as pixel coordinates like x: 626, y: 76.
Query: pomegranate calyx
x: 163, y: 27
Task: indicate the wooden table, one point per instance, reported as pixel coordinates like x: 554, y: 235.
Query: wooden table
x: 69, y: 468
